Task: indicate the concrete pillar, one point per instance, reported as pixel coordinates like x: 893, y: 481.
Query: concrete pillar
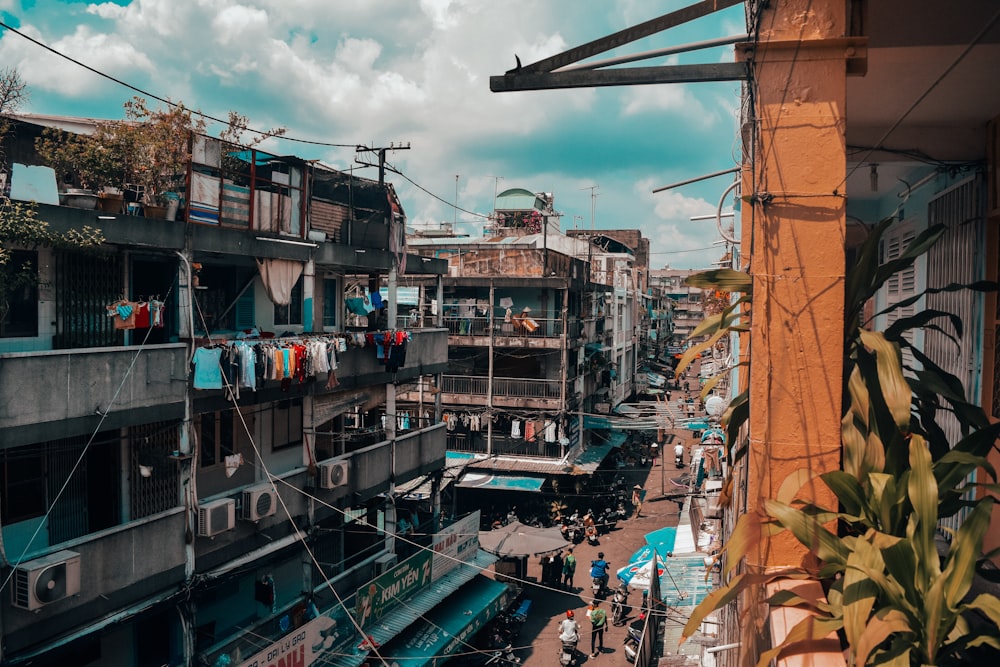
x: 794, y: 246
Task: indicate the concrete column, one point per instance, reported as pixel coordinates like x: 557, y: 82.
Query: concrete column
x: 794, y: 244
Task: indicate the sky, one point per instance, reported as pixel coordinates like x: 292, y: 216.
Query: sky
x: 338, y: 74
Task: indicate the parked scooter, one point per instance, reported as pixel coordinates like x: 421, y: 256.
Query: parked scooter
x: 679, y: 456
x: 632, y: 640
x: 619, y: 607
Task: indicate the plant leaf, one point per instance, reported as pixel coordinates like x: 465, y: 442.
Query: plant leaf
x: 894, y: 387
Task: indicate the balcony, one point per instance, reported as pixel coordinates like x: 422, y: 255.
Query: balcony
x: 43, y: 393
x: 475, y: 331
x: 117, y: 570
x: 507, y: 392
x: 414, y: 453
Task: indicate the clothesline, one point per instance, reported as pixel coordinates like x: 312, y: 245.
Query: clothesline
x: 249, y: 362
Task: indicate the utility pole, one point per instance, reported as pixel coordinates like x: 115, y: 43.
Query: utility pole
x: 392, y: 309
x: 593, y: 203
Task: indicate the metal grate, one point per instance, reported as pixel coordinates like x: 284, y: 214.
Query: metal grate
x: 85, y: 284
x: 150, y: 445
x: 957, y: 258
x: 68, y: 518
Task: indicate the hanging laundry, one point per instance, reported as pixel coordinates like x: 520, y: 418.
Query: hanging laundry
x: 529, y: 431
x: 515, y: 429
x: 207, y: 368
x: 233, y: 463
x: 142, y: 315
x: 550, y: 431
x: 123, y: 314
x: 156, y: 313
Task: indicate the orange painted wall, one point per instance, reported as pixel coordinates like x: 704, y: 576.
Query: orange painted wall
x: 796, y: 253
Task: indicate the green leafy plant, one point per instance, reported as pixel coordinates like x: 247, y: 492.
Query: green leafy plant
x: 890, y: 593
x: 149, y: 150
x: 21, y: 228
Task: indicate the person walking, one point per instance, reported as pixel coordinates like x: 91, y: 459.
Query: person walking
x: 598, y: 624
x: 556, y: 565
x: 569, y: 568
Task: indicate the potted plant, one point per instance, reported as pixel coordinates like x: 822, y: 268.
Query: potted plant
x: 84, y: 166
x: 144, y: 155
x: 161, y: 141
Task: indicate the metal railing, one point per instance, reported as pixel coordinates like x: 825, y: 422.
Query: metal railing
x: 533, y: 327
x: 508, y: 387
x: 502, y: 445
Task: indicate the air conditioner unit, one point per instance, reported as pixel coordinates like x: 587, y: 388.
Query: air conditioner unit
x: 44, y: 580
x: 216, y: 517
x: 258, y: 502
x: 333, y: 474
x: 384, y: 563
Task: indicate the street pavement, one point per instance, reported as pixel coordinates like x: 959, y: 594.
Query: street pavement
x: 538, y: 644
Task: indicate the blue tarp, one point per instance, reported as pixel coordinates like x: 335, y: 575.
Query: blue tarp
x: 473, y: 480
x: 449, y: 627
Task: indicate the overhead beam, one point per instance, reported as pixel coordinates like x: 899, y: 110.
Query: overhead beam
x: 626, y: 36
x: 631, y: 76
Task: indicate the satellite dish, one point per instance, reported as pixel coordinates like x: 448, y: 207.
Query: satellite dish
x: 715, y: 406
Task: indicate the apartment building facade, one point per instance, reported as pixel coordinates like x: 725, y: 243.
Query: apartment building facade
x: 197, y: 464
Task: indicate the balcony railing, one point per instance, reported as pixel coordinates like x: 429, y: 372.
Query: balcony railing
x: 535, y: 327
x: 509, y: 387
x: 502, y: 445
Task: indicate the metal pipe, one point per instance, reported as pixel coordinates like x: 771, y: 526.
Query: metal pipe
x: 656, y: 53
x: 718, y: 213
x: 696, y: 179
x: 723, y: 647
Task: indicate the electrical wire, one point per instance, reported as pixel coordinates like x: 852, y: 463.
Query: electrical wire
x: 146, y: 93
x: 83, y: 453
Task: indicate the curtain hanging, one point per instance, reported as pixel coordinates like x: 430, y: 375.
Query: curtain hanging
x: 279, y: 276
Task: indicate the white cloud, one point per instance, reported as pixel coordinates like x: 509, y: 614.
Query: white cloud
x: 397, y: 70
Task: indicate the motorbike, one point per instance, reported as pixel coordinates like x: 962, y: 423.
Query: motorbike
x: 679, y: 456
x: 621, y: 512
x: 599, y: 586
x: 567, y: 654
x: 632, y: 640
x: 619, y: 609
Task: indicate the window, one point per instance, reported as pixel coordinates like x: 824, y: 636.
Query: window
x: 215, y: 441
x: 224, y: 297
x: 19, y: 289
x: 23, y: 470
x: 330, y: 302
x: 286, y: 424
x: 292, y: 313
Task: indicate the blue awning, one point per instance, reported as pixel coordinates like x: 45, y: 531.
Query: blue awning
x: 391, y: 625
x: 474, y: 480
x: 449, y: 627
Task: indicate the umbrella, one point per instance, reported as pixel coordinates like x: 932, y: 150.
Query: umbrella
x: 662, y: 539
x: 517, y: 539
x: 639, y: 573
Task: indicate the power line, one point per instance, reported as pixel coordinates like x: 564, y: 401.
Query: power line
x: 161, y: 99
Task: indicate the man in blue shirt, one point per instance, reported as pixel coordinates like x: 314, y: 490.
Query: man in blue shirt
x: 599, y: 569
